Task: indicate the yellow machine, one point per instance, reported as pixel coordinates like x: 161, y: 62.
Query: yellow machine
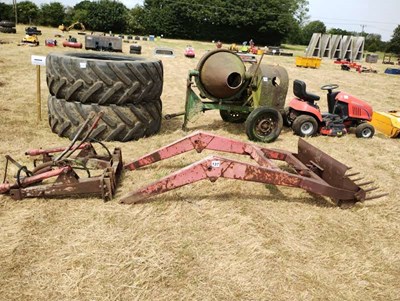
x: 31, y: 40
x: 63, y: 28
x: 387, y: 123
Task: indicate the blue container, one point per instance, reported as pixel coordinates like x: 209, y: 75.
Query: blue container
x: 392, y: 71
x: 151, y: 38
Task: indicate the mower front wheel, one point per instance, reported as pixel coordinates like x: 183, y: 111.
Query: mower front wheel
x: 233, y: 117
x: 305, y: 126
x: 286, y: 117
x: 264, y: 124
x: 365, y: 130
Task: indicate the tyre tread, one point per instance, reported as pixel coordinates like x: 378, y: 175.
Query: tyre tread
x: 119, y: 123
x: 104, y: 82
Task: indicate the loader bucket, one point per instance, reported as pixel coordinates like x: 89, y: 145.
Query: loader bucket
x: 387, y: 123
x: 329, y: 170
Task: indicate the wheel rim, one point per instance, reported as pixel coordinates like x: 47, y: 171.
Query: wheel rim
x: 366, y: 133
x: 307, y: 128
x: 265, y: 126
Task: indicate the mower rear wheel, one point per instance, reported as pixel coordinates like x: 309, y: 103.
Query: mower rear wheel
x: 264, y: 124
x: 305, y: 126
x: 365, y: 130
x: 233, y: 117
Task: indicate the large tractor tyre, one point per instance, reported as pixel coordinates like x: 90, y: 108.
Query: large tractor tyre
x: 119, y: 123
x: 365, y: 130
x: 264, y: 124
x: 233, y: 117
x: 7, y: 24
x: 8, y: 30
x: 104, y: 79
x: 305, y: 126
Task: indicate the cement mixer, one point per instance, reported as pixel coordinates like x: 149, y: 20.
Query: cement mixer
x: 255, y: 96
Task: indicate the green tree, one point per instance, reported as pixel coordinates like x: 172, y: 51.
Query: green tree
x: 52, y: 14
x: 80, y: 12
x: 265, y: 21
x: 310, y: 29
x: 340, y: 32
x: 373, y: 42
x: 106, y: 15
x: 301, y: 17
x: 28, y: 12
x: 301, y: 12
x: 6, y: 12
x: 134, y: 21
x: 394, y: 43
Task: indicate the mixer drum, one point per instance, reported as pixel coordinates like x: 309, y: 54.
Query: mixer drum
x: 221, y: 74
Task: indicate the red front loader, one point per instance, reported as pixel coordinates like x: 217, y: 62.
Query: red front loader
x: 344, y: 111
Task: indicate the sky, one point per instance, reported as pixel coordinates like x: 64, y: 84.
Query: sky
x: 375, y: 16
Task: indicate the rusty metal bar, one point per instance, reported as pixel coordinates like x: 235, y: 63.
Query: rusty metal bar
x: 37, y: 152
x: 35, y: 178
x: 214, y: 167
x: 198, y: 141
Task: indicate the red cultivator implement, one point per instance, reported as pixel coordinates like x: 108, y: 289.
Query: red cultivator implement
x: 313, y: 170
x: 58, y: 176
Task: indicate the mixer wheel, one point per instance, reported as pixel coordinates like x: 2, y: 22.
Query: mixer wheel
x: 264, y: 124
x: 233, y: 117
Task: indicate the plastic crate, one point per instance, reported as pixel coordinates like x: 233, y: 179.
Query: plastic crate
x: 308, y: 62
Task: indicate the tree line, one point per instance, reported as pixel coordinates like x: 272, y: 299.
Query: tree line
x: 268, y: 22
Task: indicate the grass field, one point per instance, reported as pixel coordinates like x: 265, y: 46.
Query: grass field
x: 226, y: 240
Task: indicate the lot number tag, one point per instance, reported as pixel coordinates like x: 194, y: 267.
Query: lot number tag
x: 38, y: 60
x: 215, y: 163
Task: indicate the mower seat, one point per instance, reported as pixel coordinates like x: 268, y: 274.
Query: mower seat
x: 299, y: 89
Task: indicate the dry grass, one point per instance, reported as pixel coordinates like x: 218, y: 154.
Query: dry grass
x: 222, y: 241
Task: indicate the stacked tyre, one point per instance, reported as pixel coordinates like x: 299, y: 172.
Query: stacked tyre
x: 7, y: 27
x: 126, y: 89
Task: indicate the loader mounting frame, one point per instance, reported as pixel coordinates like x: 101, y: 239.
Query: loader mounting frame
x: 314, y: 170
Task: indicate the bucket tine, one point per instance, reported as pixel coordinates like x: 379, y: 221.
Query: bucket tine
x: 371, y: 189
x: 365, y: 183
x: 352, y: 174
x: 358, y: 179
x: 376, y: 196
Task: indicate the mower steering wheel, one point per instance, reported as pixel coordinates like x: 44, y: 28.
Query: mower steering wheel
x: 329, y: 87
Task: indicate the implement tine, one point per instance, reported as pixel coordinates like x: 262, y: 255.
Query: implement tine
x: 365, y: 183
x: 352, y: 174
x: 358, y: 179
x: 376, y: 196
x: 371, y: 189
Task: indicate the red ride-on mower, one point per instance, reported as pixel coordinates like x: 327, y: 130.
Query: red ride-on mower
x: 345, y: 111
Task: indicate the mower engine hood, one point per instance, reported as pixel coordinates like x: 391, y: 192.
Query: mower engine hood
x: 357, y: 107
